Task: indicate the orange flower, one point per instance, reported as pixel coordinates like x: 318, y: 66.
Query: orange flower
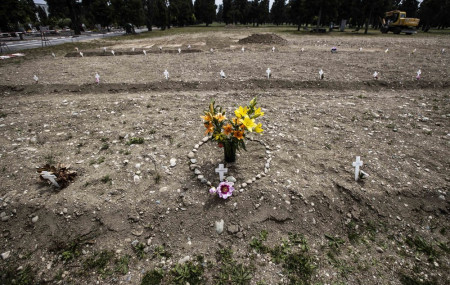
x: 239, y: 135
x: 227, y: 129
x: 219, y: 117
x: 209, y: 128
x: 207, y: 117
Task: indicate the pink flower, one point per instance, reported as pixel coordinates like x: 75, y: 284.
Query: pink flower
x: 213, y: 190
x: 225, y: 189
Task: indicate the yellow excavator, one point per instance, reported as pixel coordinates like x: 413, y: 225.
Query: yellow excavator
x: 396, y: 22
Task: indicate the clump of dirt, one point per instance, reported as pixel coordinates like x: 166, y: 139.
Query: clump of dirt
x: 263, y: 39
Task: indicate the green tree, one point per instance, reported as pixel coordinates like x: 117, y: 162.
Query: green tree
x: 16, y: 13
x: 205, y: 11
x: 128, y: 12
x: 277, y: 13
x: 227, y: 11
x: 161, y: 15
x: 219, y: 16
x: 181, y: 12
x: 410, y: 7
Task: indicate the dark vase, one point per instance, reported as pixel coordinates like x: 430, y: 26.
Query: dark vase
x: 230, y: 152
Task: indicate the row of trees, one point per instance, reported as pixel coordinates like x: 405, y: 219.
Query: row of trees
x: 167, y: 13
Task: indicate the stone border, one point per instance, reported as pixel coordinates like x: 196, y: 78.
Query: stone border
x: 195, y: 167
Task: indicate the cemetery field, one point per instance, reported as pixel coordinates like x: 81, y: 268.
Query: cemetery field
x: 137, y: 213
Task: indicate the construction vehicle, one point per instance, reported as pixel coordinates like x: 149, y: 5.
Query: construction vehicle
x: 396, y: 22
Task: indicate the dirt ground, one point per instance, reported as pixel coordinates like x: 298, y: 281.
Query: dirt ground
x: 390, y: 228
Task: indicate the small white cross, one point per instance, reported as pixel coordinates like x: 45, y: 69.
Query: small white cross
x: 166, y: 74
x: 50, y: 176
x: 269, y: 73
x: 113, y: 53
x: 132, y: 49
x: 179, y: 50
x: 357, y: 164
x: 145, y: 52
x: 97, y: 78
x: 321, y: 74
x: 222, y: 74
x: 81, y: 54
x: 221, y: 171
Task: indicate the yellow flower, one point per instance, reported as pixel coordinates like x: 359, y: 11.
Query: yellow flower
x: 219, y: 117
x: 227, y: 129
x: 207, y: 117
x: 218, y: 136
x: 236, y: 121
x: 258, y: 128
x: 238, y: 134
x: 258, y: 113
x: 241, y: 112
x: 249, y: 123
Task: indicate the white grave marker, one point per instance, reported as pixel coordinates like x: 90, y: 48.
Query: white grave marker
x: 243, y: 49
x: 104, y: 49
x: 269, y: 73
x: 443, y: 51
x: 132, y: 49
x: 386, y: 51
x: 113, y: 53
x: 360, y: 49
x: 189, y: 46
x: 321, y: 76
x: 222, y: 74
x: 145, y: 52
x: 221, y: 171
x: 36, y: 79
x: 166, y: 74
x: 211, y: 50
x: 273, y: 49
x: 81, y: 54
x: 375, y: 75
x: 179, y: 50
x: 302, y: 50
x: 160, y: 48
x: 419, y: 72
x: 50, y: 176
x: 97, y: 78
x: 356, y: 165
x: 53, y: 54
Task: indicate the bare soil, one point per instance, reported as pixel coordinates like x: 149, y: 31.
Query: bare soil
x: 390, y: 228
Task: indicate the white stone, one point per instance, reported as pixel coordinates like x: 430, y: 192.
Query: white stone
x: 136, y: 179
x: 184, y: 259
x: 163, y: 189
x: 5, y: 255
x: 35, y: 219
x: 219, y: 226
x: 197, y: 172
x: 173, y: 162
x: 191, y: 155
x: 231, y: 179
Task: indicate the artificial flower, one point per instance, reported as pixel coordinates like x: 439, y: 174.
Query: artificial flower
x: 225, y: 189
x: 207, y: 117
x: 209, y: 128
x: 241, y: 112
x: 258, y: 113
x: 219, y: 117
x: 227, y: 129
x: 258, y: 128
x: 238, y: 134
x: 249, y: 123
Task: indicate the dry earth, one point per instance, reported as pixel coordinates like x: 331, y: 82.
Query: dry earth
x: 107, y: 228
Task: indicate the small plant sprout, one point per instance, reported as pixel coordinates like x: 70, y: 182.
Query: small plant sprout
x: 321, y: 74
x: 113, y: 53
x: 53, y: 54
x: 97, y: 78
x: 375, y: 75
x: 273, y: 49
x: 36, y: 79
x: 269, y: 73
x: 145, y: 52
x: 243, y: 49
x: 419, y: 72
x: 179, y: 50
x: 386, y: 51
x: 222, y: 74
x: 166, y: 74
x: 81, y: 54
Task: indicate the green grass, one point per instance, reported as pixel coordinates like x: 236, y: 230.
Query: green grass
x: 135, y: 141
x: 99, y: 262
x: 106, y: 179
x: 12, y: 276
x: 122, y: 265
x: 190, y: 272
x: 153, y: 277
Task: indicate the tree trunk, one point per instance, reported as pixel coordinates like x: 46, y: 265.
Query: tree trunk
x: 367, y: 20
x: 318, y: 19
x: 74, y: 17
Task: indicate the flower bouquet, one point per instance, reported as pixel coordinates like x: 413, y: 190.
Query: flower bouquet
x: 230, y: 133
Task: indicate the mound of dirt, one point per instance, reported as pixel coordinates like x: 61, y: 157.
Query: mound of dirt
x: 263, y: 39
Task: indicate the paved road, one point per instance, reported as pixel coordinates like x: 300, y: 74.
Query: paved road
x: 15, y: 46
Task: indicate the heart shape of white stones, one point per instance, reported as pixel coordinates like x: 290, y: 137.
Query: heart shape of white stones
x: 241, y: 187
